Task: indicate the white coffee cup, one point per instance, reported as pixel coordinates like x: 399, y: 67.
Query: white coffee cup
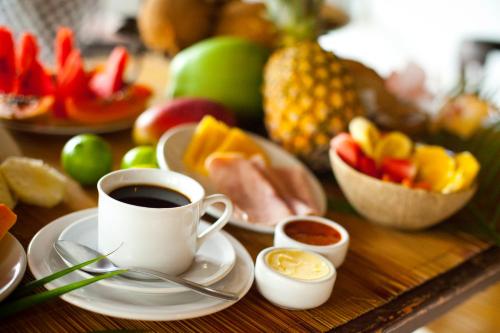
x: 163, y: 239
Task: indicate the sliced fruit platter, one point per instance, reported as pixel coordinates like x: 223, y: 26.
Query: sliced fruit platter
x: 69, y: 99
x: 265, y: 183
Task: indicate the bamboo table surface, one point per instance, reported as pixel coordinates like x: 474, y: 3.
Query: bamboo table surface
x: 390, y: 279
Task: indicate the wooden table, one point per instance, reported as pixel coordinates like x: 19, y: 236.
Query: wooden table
x: 391, y: 280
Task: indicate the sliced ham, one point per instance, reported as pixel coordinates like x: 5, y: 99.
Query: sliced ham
x: 253, y: 195
x: 292, y: 185
x: 262, y: 194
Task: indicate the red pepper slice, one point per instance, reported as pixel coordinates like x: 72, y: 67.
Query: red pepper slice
x: 7, y: 61
x: 63, y: 47
x: 106, y: 83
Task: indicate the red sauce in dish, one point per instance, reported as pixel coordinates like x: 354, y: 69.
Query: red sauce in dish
x: 312, y: 233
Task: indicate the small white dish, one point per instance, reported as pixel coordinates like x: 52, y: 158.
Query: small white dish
x: 292, y: 293
x: 213, y: 261
x: 170, y: 151
x: 334, y: 252
x: 12, y: 264
x: 43, y: 261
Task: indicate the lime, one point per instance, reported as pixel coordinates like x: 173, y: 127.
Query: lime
x: 140, y: 157
x: 86, y: 158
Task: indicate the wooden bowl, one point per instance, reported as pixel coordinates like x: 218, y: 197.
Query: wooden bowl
x: 394, y: 205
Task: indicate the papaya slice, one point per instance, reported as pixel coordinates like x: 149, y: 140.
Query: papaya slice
x: 25, y: 107
x: 7, y: 219
x: 32, y: 79
x: 122, y: 105
x: 110, y: 80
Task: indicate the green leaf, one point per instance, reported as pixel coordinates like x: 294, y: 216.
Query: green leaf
x: 13, y: 307
x: 24, y: 290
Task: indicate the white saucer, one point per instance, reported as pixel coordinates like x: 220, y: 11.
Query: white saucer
x: 43, y: 261
x: 170, y: 151
x: 213, y: 261
x: 12, y: 264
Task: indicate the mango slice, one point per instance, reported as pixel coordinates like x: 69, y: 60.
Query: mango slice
x: 465, y: 173
x: 393, y: 145
x: 365, y: 133
x: 435, y: 166
x: 238, y: 141
x: 208, y: 136
x: 7, y: 219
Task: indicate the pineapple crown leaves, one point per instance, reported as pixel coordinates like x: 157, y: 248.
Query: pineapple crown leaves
x: 297, y: 20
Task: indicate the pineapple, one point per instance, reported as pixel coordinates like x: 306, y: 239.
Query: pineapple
x: 309, y: 95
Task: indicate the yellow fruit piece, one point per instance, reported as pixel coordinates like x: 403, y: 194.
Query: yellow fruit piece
x: 434, y: 166
x: 365, y: 133
x: 208, y: 136
x: 394, y: 145
x: 464, y: 115
x: 33, y: 181
x: 238, y: 141
x: 465, y: 173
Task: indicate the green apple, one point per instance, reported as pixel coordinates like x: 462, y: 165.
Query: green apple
x: 224, y: 69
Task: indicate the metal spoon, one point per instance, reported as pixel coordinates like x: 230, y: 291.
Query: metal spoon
x: 76, y: 253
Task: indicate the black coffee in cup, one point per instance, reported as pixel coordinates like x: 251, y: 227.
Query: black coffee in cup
x: 150, y: 196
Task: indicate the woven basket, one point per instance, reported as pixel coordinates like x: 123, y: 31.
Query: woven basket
x: 393, y: 205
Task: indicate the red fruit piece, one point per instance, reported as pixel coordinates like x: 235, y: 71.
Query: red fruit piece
x: 347, y: 149
x: 72, y: 79
x: 72, y: 82
x: 63, y: 47
x: 367, y: 166
x: 7, y: 61
x: 423, y: 185
x: 109, y: 81
x: 398, y: 169
x: 33, y: 80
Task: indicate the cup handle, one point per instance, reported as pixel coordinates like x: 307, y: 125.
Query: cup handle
x: 221, y: 222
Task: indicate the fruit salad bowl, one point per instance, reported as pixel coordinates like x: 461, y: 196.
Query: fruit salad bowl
x: 394, y: 205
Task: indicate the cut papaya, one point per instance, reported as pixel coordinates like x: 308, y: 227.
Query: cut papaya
x: 7, y: 219
x: 32, y: 79
x: 122, y: 105
x: 25, y: 107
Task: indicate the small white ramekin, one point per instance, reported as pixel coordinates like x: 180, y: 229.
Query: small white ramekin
x: 291, y: 293
x: 335, y: 252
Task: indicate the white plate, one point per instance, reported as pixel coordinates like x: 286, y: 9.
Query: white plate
x: 43, y: 261
x: 173, y: 144
x: 213, y: 261
x: 12, y: 264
